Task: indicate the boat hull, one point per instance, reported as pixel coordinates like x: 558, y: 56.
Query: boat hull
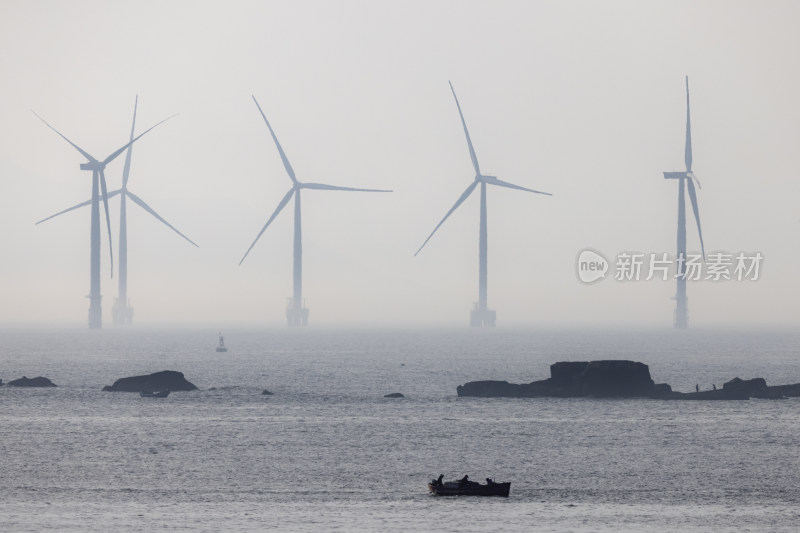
x: 476, y: 489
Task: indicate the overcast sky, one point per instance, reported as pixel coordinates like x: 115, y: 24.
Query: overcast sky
x: 585, y: 100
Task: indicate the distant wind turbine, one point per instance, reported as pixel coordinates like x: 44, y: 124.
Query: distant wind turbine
x: 681, y: 305
x: 98, y: 178
x: 481, y: 315
x: 122, y: 313
x: 296, y: 312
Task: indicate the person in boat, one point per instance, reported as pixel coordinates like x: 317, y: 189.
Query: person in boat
x: 489, y: 481
x: 697, y: 388
x: 714, y: 386
x: 438, y: 481
x: 465, y: 482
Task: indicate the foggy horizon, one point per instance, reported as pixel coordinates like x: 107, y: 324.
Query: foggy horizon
x: 581, y: 100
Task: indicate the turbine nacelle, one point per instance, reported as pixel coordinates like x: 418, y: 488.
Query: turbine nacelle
x: 93, y: 165
x: 675, y: 175
x: 679, y: 175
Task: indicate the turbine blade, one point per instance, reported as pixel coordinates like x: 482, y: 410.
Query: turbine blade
x: 285, y: 160
x: 78, y: 206
x: 141, y: 203
x: 278, y: 209
x: 501, y: 183
x: 460, y: 200
x: 323, y: 187
x: 688, y: 152
x: 693, y: 198
x: 127, y: 169
x: 115, y: 154
x: 78, y: 148
x: 108, y: 218
x: 469, y: 141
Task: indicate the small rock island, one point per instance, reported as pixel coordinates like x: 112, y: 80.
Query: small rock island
x: 164, y: 380
x: 618, y: 379
x: 31, y: 382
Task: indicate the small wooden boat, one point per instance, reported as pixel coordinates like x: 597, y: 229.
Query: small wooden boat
x: 464, y: 487
x: 150, y: 394
x: 221, y: 347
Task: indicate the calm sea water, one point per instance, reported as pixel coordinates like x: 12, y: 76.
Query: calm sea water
x: 328, y: 453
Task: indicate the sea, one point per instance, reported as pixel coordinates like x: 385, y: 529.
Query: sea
x: 327, y: 451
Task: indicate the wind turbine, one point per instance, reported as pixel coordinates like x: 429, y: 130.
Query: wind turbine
x: 296, y: 312
x: 481, y: 315
x: 122, y: 313
x: 98, y: 178
x: 681, y: 302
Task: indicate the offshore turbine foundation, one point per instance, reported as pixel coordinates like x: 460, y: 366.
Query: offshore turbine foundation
x: 296, y: 312
x: 482, y: 317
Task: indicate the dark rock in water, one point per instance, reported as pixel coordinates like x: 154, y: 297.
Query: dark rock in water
x: 601, y: 379
x: 564, y: 372
x: 719, y: 394
x: 770, y: 393
x: 791, y: 391
x: 608, y: 379
x: 735, y: 389
x: 31, y: 382
x: 617, y: 379
x: 662, y: 389
x: 165, y: 380
x: 265, y: 392
x: 393, y: 395
x: 748, y: 387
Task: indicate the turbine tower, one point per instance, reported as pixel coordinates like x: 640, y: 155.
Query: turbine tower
x: 681, y: 301
x: 122, y: 313
x: 480, y: 315
x: 296, y: 311
x: 98, y: 178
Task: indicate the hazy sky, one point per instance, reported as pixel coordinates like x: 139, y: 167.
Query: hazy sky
x: 581, y: 99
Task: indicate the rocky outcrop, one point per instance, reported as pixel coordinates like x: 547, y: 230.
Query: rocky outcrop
x: 31, y: 382
x: 618, y: 379
x: 165, y: 380
x: 789, y: 391
x: 576, y: 379
x: 740, y: 389
x: 394, y: 395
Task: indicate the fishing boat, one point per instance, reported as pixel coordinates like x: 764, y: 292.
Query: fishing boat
x: 221, y: 347
x: 151, y: 394
x: 465, y: 487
